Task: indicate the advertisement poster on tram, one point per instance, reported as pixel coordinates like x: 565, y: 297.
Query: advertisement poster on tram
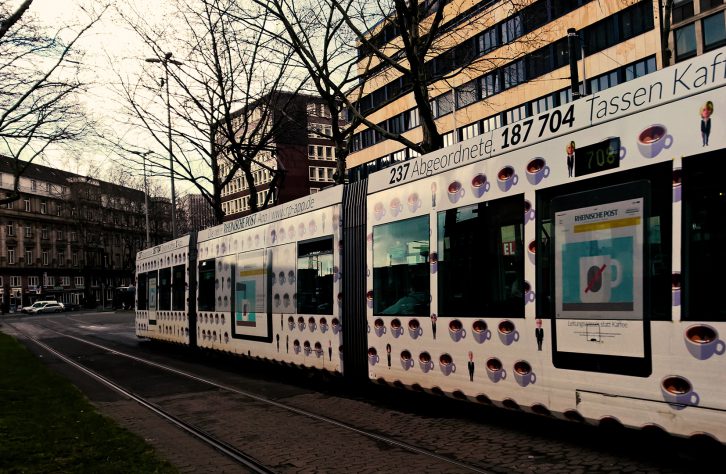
x: 249, y: 294
x: 152, y: 300
x: 598, y: 271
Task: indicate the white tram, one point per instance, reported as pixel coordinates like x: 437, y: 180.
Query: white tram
x: 567, y: 265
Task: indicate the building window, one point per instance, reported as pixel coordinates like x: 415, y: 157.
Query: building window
x: 44, y: 233
x: 28, y: 231
x: 74, y: 257
x: 43, y: 206
x: 685, y: 42
x: 33, y: 185
x: 714, y: 31
x: 74, y: 236
x: 682, y: 10
x: 50, y: 280
x: 469, y: 131
x: 11, y: 256
x: 28, y: 257
x: 10, y: 228
x: 487, y: 41
x: 61, y: 259
x: 27, y: 204
x: 79, y: 282
x: 466, y: 94
x: 33, y: 281
x: 45, y: 257
x: 65, y: 281
x: 60, y: 234
x: 15, y: 281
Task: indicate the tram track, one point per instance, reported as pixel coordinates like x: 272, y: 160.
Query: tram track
x: 228, y: 448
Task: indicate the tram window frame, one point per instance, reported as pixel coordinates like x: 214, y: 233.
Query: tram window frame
x: 178, y: 287
x: 409, y: 288
x: 142, y: 296
x: 702, y: 253
x: 318, y: 286
x: 472, y: 265
x: 659, y: 251
x: 164, y: 289
x: 206, y: 286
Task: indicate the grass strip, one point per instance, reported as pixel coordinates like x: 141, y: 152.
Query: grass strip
x: 47, y: 425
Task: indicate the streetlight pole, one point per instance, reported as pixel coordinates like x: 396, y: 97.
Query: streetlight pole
x: 165, y: 62
x: 146, y: 196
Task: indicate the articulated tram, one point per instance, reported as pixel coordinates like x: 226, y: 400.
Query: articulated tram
x: 566, y: 265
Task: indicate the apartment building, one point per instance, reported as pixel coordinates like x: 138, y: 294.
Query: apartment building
x: 301, y: 153
x: 697, y: 26
x: 520, y: 68
x: 70, y: 237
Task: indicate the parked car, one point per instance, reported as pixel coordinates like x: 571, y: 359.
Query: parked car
x: 36, y: 305
x: 47, y: 307
x: 71, y: 306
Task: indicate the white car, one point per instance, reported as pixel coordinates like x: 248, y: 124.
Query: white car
x: 47, y: 307
x: 36, y: 305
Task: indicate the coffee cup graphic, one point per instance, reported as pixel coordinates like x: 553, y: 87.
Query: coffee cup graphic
x: 336, y: 326
x: 414, y: 202
x: 456, y: 330
x: 379, y: 211
x: 396, y: 328
x: 653, y: 139
x: 425, y: 362
x: 455, y: 191
x: 369, y: 298
x: 291, y: 232
x: 281, y: 234
x: 702, y: 341
x: 312, y: 227
x: 677, y: 184
x: 532, y: 251
x: 395, y: 207
x: 506, y: 178
x: 446, y: 364
x: 414, y: 328
x: 301, y: 323
x: 373, y: 358
x: 379, y: 327
x: 318, y: 350
x: 495, y: 370
x: 523, y: 373
x: 479, y: 185
x: 291, y: 323
x: 311, y: 324
x: 291, y: 277
x: 406, y: 360
x: 507, y: 332
x: 678, y: 392
x: 529, y: 213
x: 306, y: 348
x: 529, y: 295
x: 622, y: 152
x: 301, y: 227
x: 537, y: 170
x: 599, y: 275
x: 273, y: 236
x: 676, y: 288
x: 323, y: 325
x: 480, y: 331
x: 296, y: 346
x: 434, y: 262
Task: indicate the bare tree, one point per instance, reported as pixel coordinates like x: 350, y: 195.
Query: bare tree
x: 226, y: 103
x: 38, y: 89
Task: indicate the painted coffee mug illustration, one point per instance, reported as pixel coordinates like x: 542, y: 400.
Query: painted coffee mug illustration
x: 537, y: 170
x: 425, y: 362
x: 523, y: 373
x: 495, y: 370
x: 653, y: 140
x: 455, y: 191
x: 446, y: 363
x: 599, y: 275
x: 678, y: 392
x: 506, y: 178
x: 480, y: 331
x: 479, y: 185
x: 373, y: 357
x: 414, y: 202
x: 702, y: 341
x: 406, y: 359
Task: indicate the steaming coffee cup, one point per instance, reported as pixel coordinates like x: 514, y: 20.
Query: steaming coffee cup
x: 678, y: 391
x: 311, y: 324
x: 702, y: 341
x: 523, y: 373
x: 406, y: 360
x: 378, y: 327
x: 507, y: 332
x: 373, y: 356
x: 455, y: 191
x: 379, y: 211
x: 506, y: 178
x: 414, y: 328
x: 301, y: 323
x: 446, y: 364
x: 318, y: 350
x: 306, y: 348
x: 296, y: 346
x: 480, y: 331
x: 425, y: 362
x: 597, y: 279
x: 529, y: 213
x: 414, y: 202
x: 479, y: 185
x: 336, y: 326
x: 323, y: 325
x: 653, y: 140
x: 396, y: 328
x: 291, y: 323
x: 456, y: 330
x: 495, y: 370
x: 537, y: 170
x: 395, y: 207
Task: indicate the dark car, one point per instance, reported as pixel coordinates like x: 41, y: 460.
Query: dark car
x: 72, y: 306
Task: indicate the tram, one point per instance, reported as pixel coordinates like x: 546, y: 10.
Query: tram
x: 565, y: 265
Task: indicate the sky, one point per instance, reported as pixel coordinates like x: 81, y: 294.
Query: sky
x: 108, y: 45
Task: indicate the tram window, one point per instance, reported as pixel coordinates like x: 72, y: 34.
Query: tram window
x: 164, y: 289
x: 206, y: 285
x: 480, y: 259
x: 401, y: 268
x: 704, y: 239
x: 315, y: 276
x: 659, y: 249
x: 141, y: 295
x: 178, y: 287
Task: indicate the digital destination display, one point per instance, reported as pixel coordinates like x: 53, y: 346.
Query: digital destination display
x: 600, y: 156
